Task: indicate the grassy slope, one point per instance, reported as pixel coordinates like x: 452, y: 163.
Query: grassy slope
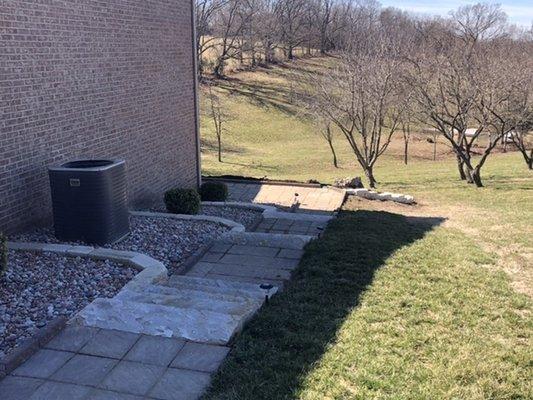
x: 266, y: 137
x: 381, y: 308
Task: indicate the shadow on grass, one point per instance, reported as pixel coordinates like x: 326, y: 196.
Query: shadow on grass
x: 276, y: 351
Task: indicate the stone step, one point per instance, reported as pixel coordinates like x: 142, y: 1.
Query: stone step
x: 237, y: 306
x: 282, y: 241
x: 201, y: 292
x: 238, y: 289
x: 192, y: 324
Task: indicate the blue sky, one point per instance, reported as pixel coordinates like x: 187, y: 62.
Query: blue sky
x: 519, y: 11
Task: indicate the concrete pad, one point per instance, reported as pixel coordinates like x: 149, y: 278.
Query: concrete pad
x: 60, y: 391
x: 155, y: 350
x: 257, y: 261
x: 84, y: 370
x: 18, y: 388
x: 72, y: 338
x: 178, y: 384
x: 253, y: 251
x: 110, y: 343
x: 200, y: 357
x: 292, y: 254
x: 98, y: 394
x: 132, y: 378
x: 43, y: 364
x: 251, y: 272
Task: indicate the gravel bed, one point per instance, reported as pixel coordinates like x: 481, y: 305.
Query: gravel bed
x: 248, y: 218
x: 39, y: 287
x: 170, y: 241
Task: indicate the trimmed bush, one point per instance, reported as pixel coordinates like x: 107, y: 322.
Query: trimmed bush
x: 214, y: 191
x: 3, y: 253
x: 182, y: 201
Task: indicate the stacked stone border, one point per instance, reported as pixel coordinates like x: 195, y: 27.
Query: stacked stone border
x: 151, y: 272
x: 384, y: 196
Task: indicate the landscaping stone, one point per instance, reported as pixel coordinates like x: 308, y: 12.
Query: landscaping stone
x: 37, y: 288
x: 353, y: 183
x: 168, y: 240
x: 248, y: 218
x: 158, y: 320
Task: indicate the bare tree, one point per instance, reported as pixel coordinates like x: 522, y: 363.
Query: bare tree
x: 468, y: 88
x: 205, y: 12
x: 363, y: 97
x: 291, y: 21
x: 218, y: 115
x: 228, y: 29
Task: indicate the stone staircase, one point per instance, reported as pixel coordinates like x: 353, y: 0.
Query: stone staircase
x: 217, y: 296
x: 199, y: 310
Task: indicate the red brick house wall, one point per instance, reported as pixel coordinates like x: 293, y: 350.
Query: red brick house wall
x: 94, y: 78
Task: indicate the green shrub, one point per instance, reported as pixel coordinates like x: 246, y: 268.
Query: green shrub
x: 214, y: 191
x: 182, y: 201
x: 3, y: 254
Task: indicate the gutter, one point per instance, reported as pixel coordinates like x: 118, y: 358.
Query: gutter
x: 196, y: 99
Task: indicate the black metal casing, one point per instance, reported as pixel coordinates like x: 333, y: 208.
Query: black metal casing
x: 89, y: 200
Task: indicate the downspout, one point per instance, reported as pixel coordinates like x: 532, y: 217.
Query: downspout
x: 196, y: 99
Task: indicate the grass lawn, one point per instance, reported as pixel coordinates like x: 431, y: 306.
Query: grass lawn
x: 383, y: 307
x: 394, y: 302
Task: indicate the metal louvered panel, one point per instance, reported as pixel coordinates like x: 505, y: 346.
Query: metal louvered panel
x: 89, y: 200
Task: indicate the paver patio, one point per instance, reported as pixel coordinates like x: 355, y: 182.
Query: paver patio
x: 95, y: 364
x: 310, y: 199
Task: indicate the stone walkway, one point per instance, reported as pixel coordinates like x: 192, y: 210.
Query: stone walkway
x: 164, y: 340
x: 98, y: 364
x: 310, y: 199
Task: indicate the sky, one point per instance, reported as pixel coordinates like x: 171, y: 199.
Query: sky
x: 520, y: 12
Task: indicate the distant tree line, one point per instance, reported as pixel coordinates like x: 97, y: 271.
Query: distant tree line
x: 468, y: 77
x: 260, y: 30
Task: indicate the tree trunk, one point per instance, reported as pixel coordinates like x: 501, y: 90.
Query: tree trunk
x: 406, y: 150
x: 475, y: 174
x: 369, y: 172
x: 219, y: 140
x: 219, y: 69
x: 461, y: 168
x: 290, y: 53
x: 527, y: 158
x: 335, y: 161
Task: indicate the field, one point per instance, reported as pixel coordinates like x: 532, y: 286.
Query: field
x: 431, y: 301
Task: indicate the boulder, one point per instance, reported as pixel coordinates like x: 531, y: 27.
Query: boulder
x: 350, y: 183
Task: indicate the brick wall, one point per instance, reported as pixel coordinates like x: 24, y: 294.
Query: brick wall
x: 94, y: 78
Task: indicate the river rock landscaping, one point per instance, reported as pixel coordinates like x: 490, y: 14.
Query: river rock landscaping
x: 39, y: 287
x: 170, y: 241
x: 244, y: 216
